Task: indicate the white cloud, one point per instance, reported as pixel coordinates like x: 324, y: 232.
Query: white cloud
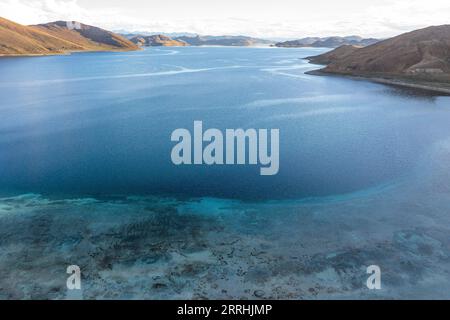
x: 29, y: 12
x: 269, y: 18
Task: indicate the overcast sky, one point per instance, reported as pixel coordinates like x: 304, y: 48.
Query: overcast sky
x: 260, y: 18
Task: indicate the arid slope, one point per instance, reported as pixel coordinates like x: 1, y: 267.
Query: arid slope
x: 336, y: 54
x: 88, y: 37
x: 423, y: 53
x: 418, y: 59
x: 16, y: 39
x: 57, y: 38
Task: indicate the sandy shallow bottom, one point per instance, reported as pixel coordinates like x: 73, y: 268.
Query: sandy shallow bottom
x: 165, y: 248
x: 160, y: 248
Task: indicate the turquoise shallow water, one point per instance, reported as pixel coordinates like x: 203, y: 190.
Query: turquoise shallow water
x: 86, y: 179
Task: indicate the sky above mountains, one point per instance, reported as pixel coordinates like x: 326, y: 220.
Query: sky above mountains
x: 267, y: 19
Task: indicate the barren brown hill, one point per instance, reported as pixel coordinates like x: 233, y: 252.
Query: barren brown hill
x: 157, y: 40
x: 423, y: 53
x: 334, y: 55
x: 88, y: 37
x: 55, y: 38
x: 16, y: 39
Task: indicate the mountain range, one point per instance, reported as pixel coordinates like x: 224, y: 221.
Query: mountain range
x: 58, y: 38
x: 235, y: 41
x: 157, y: 40
x: 62, y: 37
x: 327, y: 42
x: 195, y: 40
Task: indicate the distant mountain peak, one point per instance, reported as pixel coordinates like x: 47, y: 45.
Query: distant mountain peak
x: 157, y: 40
x: 224, y: 40
x: 327, y: 42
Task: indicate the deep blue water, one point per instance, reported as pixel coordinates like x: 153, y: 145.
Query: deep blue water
x: 100, y: 123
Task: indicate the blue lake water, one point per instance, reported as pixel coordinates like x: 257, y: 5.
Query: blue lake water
x: 100, y: 123
x: 86, y: 178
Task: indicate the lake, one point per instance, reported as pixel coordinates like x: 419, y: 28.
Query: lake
x: 85, y: 142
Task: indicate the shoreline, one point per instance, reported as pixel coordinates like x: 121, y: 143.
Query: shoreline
x: 66, y: 53
x: 427, y: 86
